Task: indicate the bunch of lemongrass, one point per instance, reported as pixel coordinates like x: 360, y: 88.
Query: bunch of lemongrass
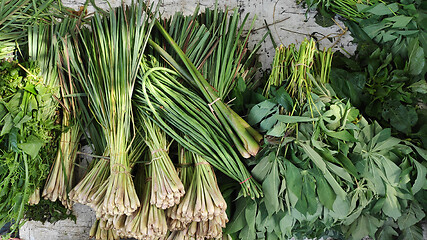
x: 244, y: 137
x: 84, y: 191
x: 203, y: 201
x: 185, y: 172
x: 149, y: 221
x: 60, y: 178
x: 111, y: 51
x: 199, y: 230
x: 167, y: 188
x: 179, y: 110
x: 99, y: 232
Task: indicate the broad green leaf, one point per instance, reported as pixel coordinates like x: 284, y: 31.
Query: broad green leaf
x: 238, y: 221
x: 420, y: 86
x: 283, y: 99
x: 342, y: 135
x: 250, y: 215
x: 411, y: 216
x: 286, y: 225
x: 247, y: 233
x: 391, y: 206
x: 366, y: 225
x: 268, y: 123
x: 399, y: 21
x: 420, y: 181
x: 32, y: 146
x: 260, y: 111
x: 318, y: 161
x: 8, y: 124
x: 270, y: 187
x: 341, y: 172
x: 293, y: 179
x: 381, y: 9
x: 294, y: 119
x: 340, y: 208
x: 278, y: 130
x: 309, y: 191
x: 325, y: 193
x: 412, y: 233
x: 401, y: 117
x: 387, y: 231
x: 261, y: 170
x: 417, y: 59
x: 347, y: 164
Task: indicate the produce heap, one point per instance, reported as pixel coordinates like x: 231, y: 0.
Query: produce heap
x: 166, y: 111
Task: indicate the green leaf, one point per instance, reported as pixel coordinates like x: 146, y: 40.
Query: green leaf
x: 417, y: 59
x: 283, y: 99
x: 260, y: 111
x: 399, y: 21
x: 278, y: 130
x: 238, y: 221
x: 412, y: 233
x: 381, y: 9
x: 8, y: 124
x: 401, y: 117
x: 270, y: 188
x: 309, y: 191
x: 250, y: 215
x: 421, y: 177
x: 286, y: 225
x: 342, y: 135
x: 387, y: 231
x: 325, y: 193
x: 293, y: 178
x: 247, y: 233
x: 32, y: 146
x: 411, y: 216
x: 261, y: 170
x: 318, y: 161
x: 420, y: 87
x: 391, y: 206
x: 294, y: 119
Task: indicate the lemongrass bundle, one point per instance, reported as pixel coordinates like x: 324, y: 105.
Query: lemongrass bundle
x: 203, y: 200
x: 99, y: 232
x: 187, y: 118
x: 60, y: 178
x: 185, y: 172
x: 167, y: 188
x: 112, y: 50
x: 34, y: 198
x: 148, y: 222
x: 86, y: 189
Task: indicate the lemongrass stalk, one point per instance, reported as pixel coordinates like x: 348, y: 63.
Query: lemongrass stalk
x: 60, y: 178
x: 83, y: 192
x: 148, y: 222
x: 34, y: 198
x: 203, y: 200
x: 185, y: 160
x: 249, y: 139
x: 161, y: 97
x: 112, y: 51
x: 167, y: 188
x: 99, y: 232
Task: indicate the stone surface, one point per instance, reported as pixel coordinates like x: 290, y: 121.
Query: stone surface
x: 61, y: 230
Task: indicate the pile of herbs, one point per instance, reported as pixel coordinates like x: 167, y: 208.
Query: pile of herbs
x: 386, y: 76
x: 27, y: 137
x: 325, y: 169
